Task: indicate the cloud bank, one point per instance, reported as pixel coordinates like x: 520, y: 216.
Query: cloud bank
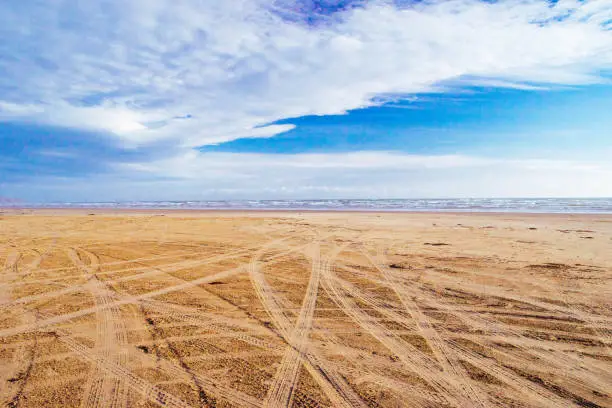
x: 205, y: 72
x: 209, y: 176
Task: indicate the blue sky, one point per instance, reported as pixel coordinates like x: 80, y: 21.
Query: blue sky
x: 180, y: 100
x: 495, y: 122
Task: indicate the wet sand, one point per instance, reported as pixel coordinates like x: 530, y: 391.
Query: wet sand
x: 313, y: 309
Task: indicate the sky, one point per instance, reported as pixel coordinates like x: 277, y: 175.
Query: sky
x: 127, y: 100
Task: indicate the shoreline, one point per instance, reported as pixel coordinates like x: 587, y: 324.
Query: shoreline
x: 516, y: 205
x: 265, y: 211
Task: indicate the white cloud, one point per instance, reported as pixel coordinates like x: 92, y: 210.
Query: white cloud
x: 119, y: 120
x: 210, y: 71
x: 193, y: 164
x: 208, y: 176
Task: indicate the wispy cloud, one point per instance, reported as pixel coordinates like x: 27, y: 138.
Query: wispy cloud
x: 206, y: 176
x: 205, y: 72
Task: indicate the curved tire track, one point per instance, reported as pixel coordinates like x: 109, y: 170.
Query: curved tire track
x: 15, y: 376
x: 411, y: 357
x: 446, y: 357
x: 111, y: 368
x: 334, y: 386
x: 101, y: 389
x: 528, y: 389
x: 282, y: 390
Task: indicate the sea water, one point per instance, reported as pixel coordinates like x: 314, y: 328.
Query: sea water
x: 520, y: 205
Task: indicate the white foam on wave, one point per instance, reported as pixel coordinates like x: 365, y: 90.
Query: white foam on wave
x: 526, y: 205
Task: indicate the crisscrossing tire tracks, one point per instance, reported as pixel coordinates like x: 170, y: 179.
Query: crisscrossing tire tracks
x: 282, y: 390
x: 102, y: 390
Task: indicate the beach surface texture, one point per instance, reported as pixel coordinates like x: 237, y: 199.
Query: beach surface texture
x: 116, y: 308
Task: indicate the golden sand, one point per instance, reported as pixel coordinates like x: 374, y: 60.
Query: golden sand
x: 192, y: 309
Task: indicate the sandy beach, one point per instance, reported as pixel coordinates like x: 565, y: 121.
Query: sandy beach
x: 312, y: 309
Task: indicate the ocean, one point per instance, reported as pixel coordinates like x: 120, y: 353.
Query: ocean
x: 511, y: 205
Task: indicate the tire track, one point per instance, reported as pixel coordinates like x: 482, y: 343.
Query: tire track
x: 122, y: 262
x: 154, y: 272
x: 444, y: 355
x: 111, y: 368
x: 101, y: 389
x: 528, y: 389
x: 332, y: 384
x: 217, y: 323
x: 9, y: 273
x: 16, y: 375
x: 114, y: 369
x: 149, y: 391
x: 419, y: 398
x: 208, y: 390
x: 177, y: 254
x: 563, y: 310
x: 478, y: 321
x: 505, y: 332
x: 583, y: 378
x: 377, y: 372
x: 411, y: 357
x: 325, y: 379
x: 13, y: 273
x: 536, y: 394
x: 284, y: 385
x: 122, y: 301
x: 35, y: 263
x: 50, y: 320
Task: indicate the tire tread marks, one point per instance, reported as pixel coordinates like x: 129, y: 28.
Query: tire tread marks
x: 103, y: 390
x: 298, y: 352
